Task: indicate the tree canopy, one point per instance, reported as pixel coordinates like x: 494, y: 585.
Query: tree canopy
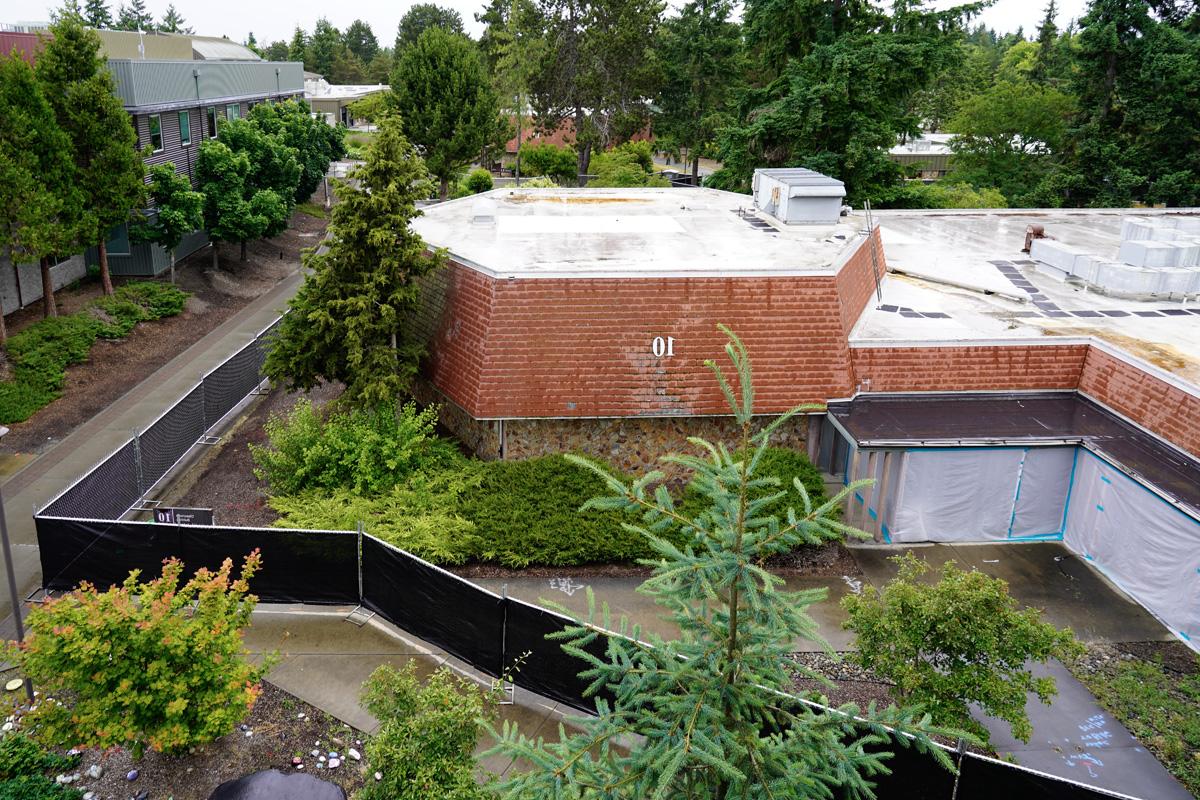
x: 445, y: 101
x: 419, y: 18
x: 345, y: 323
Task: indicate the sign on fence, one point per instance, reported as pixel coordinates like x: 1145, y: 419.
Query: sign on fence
x: 184, y: 516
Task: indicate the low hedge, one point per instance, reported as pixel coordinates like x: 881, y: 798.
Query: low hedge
x: 41, y: 353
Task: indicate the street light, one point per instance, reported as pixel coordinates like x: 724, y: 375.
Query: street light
x: 12, y: 580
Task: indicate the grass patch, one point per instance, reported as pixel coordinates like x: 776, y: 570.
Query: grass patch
x: 312, y: 209
x: 1158, y: 706
x: 41, y: 353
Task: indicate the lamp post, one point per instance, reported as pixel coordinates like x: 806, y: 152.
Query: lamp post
x: 14, y: 597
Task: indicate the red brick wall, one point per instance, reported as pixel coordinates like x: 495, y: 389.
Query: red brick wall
x: 576, y: 348
x: 856, y: 282
x: 1149, y: 401
x: 965, y: 369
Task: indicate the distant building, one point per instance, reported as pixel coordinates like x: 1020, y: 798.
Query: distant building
x: 929, y: 155
x: 176, y: 88
x: 331, y: 101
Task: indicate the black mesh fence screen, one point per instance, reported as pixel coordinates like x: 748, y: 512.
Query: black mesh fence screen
x: 102, y: 553
x: 443, y: 609
x: 166, y: 441
x: 547, y: 670
x: 106, y: 492
x: 229, y: 383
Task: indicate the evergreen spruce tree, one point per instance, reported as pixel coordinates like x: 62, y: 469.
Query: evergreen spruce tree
x: 173, y: 22
x: 134, y: 17
x: 322, y: 49
x: 176, y: 211
x: 298, y: 46
x: 361, y: 40
x: 1046, y: 66
x: 446, y: 101
x: 709, y: 709
x: 97, y: 14
x: 36, y: 180
x: 419, y: 18
x: 346, y: 321
x: 109, y: 175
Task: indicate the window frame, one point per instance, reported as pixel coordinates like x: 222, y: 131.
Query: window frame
x: 236, y: 108
x: 150, y: 123
x: 210, y: 117
x: 185, y: 115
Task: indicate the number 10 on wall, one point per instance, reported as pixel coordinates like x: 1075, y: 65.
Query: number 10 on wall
x: 663, y: 346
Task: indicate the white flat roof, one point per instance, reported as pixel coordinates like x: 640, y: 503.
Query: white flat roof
x: 944, y: 248
x: 628, y: 233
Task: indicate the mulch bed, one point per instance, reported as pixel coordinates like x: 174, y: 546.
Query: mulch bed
x: 114, y: 367
x: 277, y: 733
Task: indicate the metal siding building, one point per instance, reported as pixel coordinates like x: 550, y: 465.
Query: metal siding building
x: 167, y: 90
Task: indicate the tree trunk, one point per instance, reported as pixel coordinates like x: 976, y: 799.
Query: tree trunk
x: 105, y: 277
x: 216, y: 262
x: 520, y: 110
x: 695, y: 170
x: 48, y: 307
x: 172, y: 266
x: 444, y: 189
x: 585, y: 149
x: 3, y: 327
x: 243, y: 256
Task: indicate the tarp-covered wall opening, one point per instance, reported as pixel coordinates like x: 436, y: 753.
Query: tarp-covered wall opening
x: 1144, y: 544
x: 982, y: 494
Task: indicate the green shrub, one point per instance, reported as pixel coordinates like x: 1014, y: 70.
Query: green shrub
x: 528, y: 512
x: 152, y: 664
x: 367, y: 451
x: 426, y: 740
x: 552, y: 161
x: 628, y: 165
x: 961, y: 640
x: 21, y: 756
x: 479, y: 180
x: 36, y: 787
x: 41, y: 353
x: 538, y: 182
x: 420, y: 516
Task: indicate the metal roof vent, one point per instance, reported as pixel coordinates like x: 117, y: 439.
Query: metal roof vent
x: 798, y: 196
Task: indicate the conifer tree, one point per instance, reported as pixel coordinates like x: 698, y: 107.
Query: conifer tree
x: 421, y: 17
x: 36, y: 187
x: 298, y: 46
x: 1046, y: 63
x: 361, y: 40
x: 97, y: 14
x: 134, y: 17
x: 108, y: 168
x: 173, y: 22
x: 323, y: 48
x: 709, y: 709
x: 346, y: 321
x: 177, y: 211
x: 446, y: 101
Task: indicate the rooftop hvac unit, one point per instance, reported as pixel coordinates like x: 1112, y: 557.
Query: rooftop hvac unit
x: 798, y: 196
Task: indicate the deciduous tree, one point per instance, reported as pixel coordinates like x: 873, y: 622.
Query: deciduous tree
x: 346, y: 321
x: 109, y: 174
x: 175, y: 212
x: 446, y: 102
x: 233, y: 211
x: 292, y: 125
x: 40, y: 201
x: 705, y: 715
x: 961, y: 640
x: 36, y: 182
x: 419, y: 18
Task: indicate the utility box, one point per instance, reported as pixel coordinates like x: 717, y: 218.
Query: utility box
x: 798, y: 196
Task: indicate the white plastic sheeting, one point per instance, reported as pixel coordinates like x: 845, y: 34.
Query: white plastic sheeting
x: 1147, y: 546
x: 971, y: 494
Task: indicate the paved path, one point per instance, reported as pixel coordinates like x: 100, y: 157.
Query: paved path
x: 56, y: 468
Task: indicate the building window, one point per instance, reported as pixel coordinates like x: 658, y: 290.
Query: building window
x: 185, y: 128
x: 156, y: 143
x: 211, y: 114
x: 233, y: 111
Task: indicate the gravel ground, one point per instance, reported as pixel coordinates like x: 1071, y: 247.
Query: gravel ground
x: 114, y: 367
x: 849, y: 682
x: 277, y: 734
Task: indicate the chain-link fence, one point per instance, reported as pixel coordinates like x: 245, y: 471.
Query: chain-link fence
x: 120, y: 482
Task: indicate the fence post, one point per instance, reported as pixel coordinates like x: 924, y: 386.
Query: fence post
x: 137, y: 465
x: 361, y: 530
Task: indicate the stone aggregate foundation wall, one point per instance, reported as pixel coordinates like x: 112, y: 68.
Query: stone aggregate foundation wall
x: 634, y: 444
x: 481, y: 437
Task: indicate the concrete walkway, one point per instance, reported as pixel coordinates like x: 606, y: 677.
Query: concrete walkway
x: 61, y: 464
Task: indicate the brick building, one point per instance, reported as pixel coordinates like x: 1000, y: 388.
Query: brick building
x: 988, y: 398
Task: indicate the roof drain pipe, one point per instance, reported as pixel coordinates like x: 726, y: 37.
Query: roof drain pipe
x: 924, y: 276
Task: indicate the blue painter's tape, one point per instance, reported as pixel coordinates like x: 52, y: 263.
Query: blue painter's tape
x: 1186, y: 638
x: 1088, y: 557
x: 1070, y: 488
x: 887, y: 536
x: 1012, y: 519
x: 1039, y: 537
x: 858, y: 497
x: 1099, y: 507
x: 872, y: 514
x: 1106, y: 479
